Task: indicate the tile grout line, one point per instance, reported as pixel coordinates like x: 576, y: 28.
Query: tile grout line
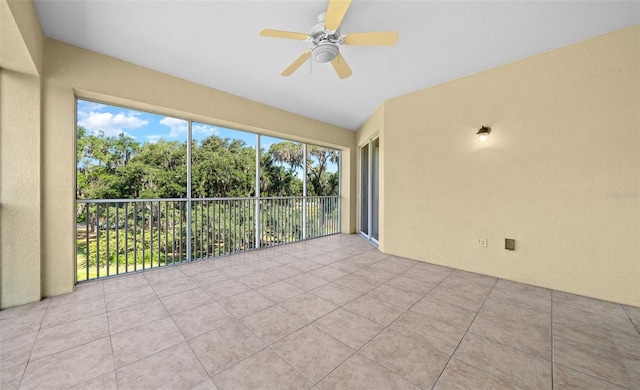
x: 465, y: 335
x: 24, y: 370
x: 356, y: 350
x: 553, y: 352
x: 628, y: 316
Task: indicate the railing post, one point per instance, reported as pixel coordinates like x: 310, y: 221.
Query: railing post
x: 304, y: 192
x: 189, y: 190
x: 257, y: 191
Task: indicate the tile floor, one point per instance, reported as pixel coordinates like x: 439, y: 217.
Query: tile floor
x: 330, y: 313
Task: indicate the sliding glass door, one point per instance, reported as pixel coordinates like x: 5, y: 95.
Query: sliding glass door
x: 369, y: 189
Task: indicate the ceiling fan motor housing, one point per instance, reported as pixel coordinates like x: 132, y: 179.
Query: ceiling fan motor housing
x: 325, y: 51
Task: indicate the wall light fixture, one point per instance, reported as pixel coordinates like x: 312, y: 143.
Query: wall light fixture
x: 483, y: 133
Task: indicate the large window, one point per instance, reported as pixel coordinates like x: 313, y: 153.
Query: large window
x: 153, y: 190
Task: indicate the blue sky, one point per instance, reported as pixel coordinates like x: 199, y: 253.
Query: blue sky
x: 147, y: 127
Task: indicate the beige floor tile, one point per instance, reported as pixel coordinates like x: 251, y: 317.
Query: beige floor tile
x: 617, y: 321
x: 196, y: 267
x: 309, y: 307
x: 69, y: 335
x: 535, y: 341
x: 124, y: 283
x: 273, y: 323
x: 374, y: 309
x: 403, y: 261
x: 406, y: 357
x: 468, y: 301
x: 115, y: 301
x: 423, y: 266
x: 361, y: 373
x: 280, y: 291
x: 460, y: 376
x: 613, y: 368
x: 89, y: 290
x: 500, y: 311
x: 444, y: 312
x: 347, y: 265
x: 186, y: 300
x: 634, y: 314
x: 59, y: 315
x: 395, y: 296
x: 424, y: 276
x: 264, y: 370
x: 514, y: 366
x: 163, y: 274
x: 201, y: 319
x: 20, y: 325
x: 410, y: 284
x: 588, y: 304
x: 136, y: 343
x: 357, y: 283
x: 30, y: 309
x: 70, y: 367
x: 206, y: 385
x: 336, y: 293
x: 312, y: 352
x: 257, y: 279
x: 173, y: 368
x: 283, y: 271
x: 348, y: 327
x: 136, y: 315
x: 520, y: 296
x: 306, y: 281
x: 524, y: 289
x: 598, y: 337
x: 225, y: 289
x: 211, y: 277
x: 328, y: 273
x: 376, y: 275
x: 565, y: 378
x: 434, y: 334
x: 15, y: 351
x: 225, y: 346
x: 103, y: 382
x: 392, y: 266
x: 305, y: 265
x: 10, y: 377
x: 170, y: 287
x: 245, y: 303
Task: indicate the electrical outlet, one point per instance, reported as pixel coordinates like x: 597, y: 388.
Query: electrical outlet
x: 482, y: 242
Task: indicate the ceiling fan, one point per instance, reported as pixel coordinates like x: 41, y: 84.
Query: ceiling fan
x: 326, y: 39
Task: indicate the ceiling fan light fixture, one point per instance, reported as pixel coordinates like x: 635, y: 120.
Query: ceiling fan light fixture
x: 324, y: 52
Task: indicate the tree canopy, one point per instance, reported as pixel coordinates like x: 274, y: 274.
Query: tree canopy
x: 119, y: 167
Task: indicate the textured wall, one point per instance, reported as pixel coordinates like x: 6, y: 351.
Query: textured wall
x: 19, y: 188
x: 560, y: 172
x: 70, y: 71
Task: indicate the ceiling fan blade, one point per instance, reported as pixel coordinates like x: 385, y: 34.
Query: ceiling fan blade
x: 284, y: 34
x: 335, y: 13
x: 387, y: 38
x: 341, y: 67
x: 297, y: 63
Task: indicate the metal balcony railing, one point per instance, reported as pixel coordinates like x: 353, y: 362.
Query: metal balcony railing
x: 114, y: 237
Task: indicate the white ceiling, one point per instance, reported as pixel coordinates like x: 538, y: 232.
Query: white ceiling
x: 216, y: 43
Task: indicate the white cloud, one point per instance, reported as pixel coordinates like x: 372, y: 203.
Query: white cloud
x: 178, y: 128
x: 110, y: 124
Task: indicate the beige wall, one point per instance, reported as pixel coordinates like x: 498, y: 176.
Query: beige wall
x: 20, y: 157
x: 40, y: 81
x: 70, y: 71
x: 560, y: 172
